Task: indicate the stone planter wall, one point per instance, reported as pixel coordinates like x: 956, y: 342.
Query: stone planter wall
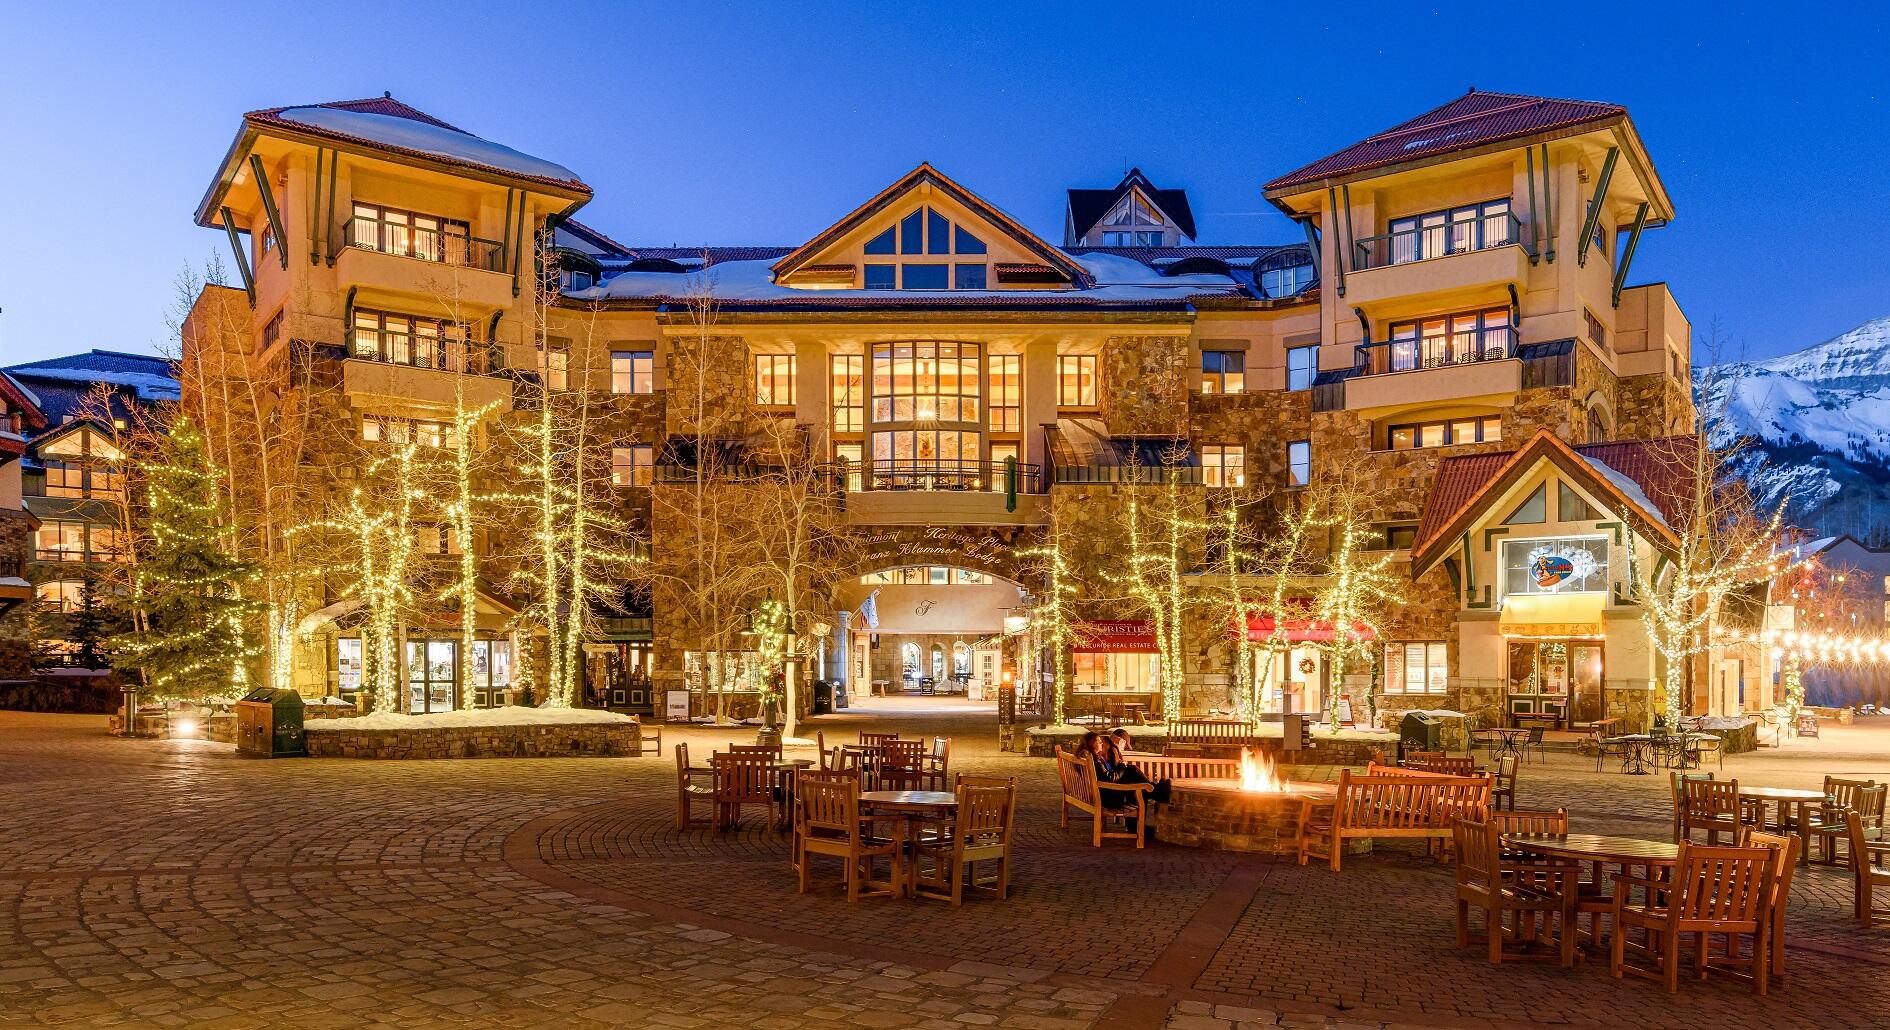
x: 577, y: 740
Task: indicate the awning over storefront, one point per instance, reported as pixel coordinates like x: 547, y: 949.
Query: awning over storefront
x: 1260, y: 630
x: 1120, y: 636
x: 1553, y: 615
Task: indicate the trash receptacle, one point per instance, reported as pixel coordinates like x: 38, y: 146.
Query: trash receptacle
x: 1420, y: 732
x: 823, y: 697
x: 269, y: 723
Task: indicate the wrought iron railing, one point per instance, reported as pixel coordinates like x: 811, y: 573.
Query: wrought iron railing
x: 1187, y: 475
x: 972, y: 476
x: 1418, y: 243
x: 443, y: 245
x: 421, y: 350
x: 1492, y: 344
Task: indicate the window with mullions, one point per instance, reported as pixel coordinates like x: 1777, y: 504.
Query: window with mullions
x: 1452, y: 231
x: 1286, y: 282
x: 1451, y: 339
x: 1302, y: 367
x: 1224, y: 465
x: 1562, y: 565
x: 409, y: 340
x: 926, y: 382
x: 1133, y: 223
x: 1076, y: 381
x: 384, y: 429
x: 1444, y: 432
x: 925, y: 232
x: 1223, y: 371
x: 410, y: 234
x: 1418, y: 667
x: 849, y: 393
x: 632, y: 371
x: 1299, y: 463
x: 774, y: 380
x: 1006, y: 393
x: 632, y: 465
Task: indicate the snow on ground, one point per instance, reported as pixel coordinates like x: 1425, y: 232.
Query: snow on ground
x: 510, y: 715
x: 427, y: 139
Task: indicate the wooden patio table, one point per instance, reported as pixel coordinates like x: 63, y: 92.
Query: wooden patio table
x: 1599, y: 850
x: 916, y: 806
x: 1786, y: 798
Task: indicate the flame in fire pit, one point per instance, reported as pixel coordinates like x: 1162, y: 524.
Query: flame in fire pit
x: 1257, y: 775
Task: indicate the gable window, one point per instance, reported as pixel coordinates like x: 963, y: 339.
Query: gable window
x: 924, y: 277
x: 1137, y: 238
x: 1443, y: 432
x: 1302, y: 366
x: 1450, y: 339
x: 1007, y: 393
x: 632, y: 465
x: 1299, y: 463
x: 1560, y: 565
x: 849, y: 393
x: 882, y: 277
x: 1533, y: 510
x: 1133, y: 223
x: 1286, y: 282
x: 1572, y: 507
x: 968, y: 277
x: 1451, y: 231
x: 1076, y: 380
x: 1417, y: 667
x: 1223, y: 371
x: 925, y: 233
x: 632, y: 371
x: 774, y: 380
x: 78, y: 464
x: 1224, y: 465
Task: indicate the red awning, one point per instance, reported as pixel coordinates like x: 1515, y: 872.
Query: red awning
x: 1260, y: 629
x: 1120, y: 636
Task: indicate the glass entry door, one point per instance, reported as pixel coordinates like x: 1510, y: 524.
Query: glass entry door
x: 432, y: 669
x: 1585, y: 682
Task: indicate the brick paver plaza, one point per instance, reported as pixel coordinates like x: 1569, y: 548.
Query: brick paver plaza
x: 171, y: 883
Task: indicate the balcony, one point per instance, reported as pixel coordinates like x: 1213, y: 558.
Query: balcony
x: 933, y: 476
x: 423, y: 368
x: 956, y: 493
x: 1460, y: 348
x: 409, y: 261
x: 1456, y: 258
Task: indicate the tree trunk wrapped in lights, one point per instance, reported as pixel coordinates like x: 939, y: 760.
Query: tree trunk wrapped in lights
x: 1050, y: 615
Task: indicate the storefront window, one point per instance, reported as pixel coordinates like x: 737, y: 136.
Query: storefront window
x: 348, y: 664
x: 1566, y: 565
x: 724, y: 672
x: 1099, y: 672
x: 1416, y: 668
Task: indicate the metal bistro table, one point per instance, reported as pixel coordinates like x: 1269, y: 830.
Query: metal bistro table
x: 1599, y: 850
x: 1641, y: 747
x: 1506, y: 740
x: 915, y: 806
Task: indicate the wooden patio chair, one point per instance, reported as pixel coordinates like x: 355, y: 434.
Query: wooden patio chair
x: 1869, y: 875
x: 828, y: 822
x: 1714, y: 890
x: 862, y: 763
x: 1505, y: 789
x: 1785, y: 862
x: 937, y: 764
x: 1827, y: 827
x: 902, y: 765
x: 742, y: 779
x: 979, y: 832
x: 876, y: 739
x: 1419, y: 759
x: 1533, y: 891
x: 1527, y: 821
x: 826, y: 757
x: 772, y: 751
x: 1710, y: 805
x: 693, y: 786
x: 649, y: 738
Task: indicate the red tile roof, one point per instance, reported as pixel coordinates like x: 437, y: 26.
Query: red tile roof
x: 1659, y: 467
x: 1472, y: 120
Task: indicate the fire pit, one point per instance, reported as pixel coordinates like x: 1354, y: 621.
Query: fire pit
x: 1256, y: 812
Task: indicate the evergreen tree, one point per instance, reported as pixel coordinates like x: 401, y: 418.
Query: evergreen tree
x: 86, y: 627
x: 197, y: 641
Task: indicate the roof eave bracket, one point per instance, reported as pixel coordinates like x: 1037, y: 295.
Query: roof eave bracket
x: 242, y: 259
x: 1627, y: 252
x: 269, y: 209
x: 1594, y: 206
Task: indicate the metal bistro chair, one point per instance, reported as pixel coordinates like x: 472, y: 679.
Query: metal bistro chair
x: 1533, y: 742
x: 1607, y: 747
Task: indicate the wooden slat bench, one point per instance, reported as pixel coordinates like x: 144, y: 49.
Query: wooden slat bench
x: 1076, y: 776
x: 1183, y: 767
x: 1220, y: 732
x: 1383, y: 805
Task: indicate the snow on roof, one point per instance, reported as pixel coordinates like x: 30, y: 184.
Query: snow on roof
x: 148, y: 387
x: 1628, y: 487
x: 1117, y: 279
x: 22, y: 387
x: 425, y: 138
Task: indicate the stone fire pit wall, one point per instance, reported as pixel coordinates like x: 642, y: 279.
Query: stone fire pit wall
x: 1230, y: 820
x: 530, y: 741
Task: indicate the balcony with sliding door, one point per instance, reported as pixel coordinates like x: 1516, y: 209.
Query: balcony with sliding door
x: 1464, y: 252
x: 1466, y: 356
x: 415, y: 255
x: 421, y: 360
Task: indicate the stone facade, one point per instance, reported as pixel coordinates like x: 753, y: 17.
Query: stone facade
x: 338, y: 739
x: 16, y: 644
x: 1145, y: 385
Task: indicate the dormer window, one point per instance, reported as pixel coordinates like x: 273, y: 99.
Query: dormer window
x: 923, y: 234
x: 1286, y: 282
x: 1134, y: 224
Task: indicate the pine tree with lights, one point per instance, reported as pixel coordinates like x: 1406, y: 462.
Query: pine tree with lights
x: 196, y: 641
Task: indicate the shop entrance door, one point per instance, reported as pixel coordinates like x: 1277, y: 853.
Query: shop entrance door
x: 432, y: 675
x: 1585, y: 682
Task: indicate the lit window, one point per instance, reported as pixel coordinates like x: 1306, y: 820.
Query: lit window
x: 1001, y: 455
x: 1076, y: 380
x: 382, y: 429
x: 438, y: 540
x: 1443, y: 432
x: 1223, y: 371
x: 61, y: 541
x: 409, y: 340
x: 554, y: 364
x: 632, y: 465
x: 1568, y: 565
x: 1299, y: 463
x: 774, y: 380
x: 1302, y: 366
x: 1417, y: 668
x: 1451, y: 339
x: 1437, y: 233
x: 65, y: 595
x: 849, y: 393
x: 1224, y: 465
x: 632, y: 372
x: 1006, y: 393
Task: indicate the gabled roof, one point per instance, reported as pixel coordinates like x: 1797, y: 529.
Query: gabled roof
x: 148, y: 377
x: 1087, y: 207
x: 22, y: 399
x: 925, y: 174
x: 1473, y: 120
x: 1644, y: 480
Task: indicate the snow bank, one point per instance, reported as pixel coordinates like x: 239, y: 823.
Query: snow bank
x: 427, y: 139
x: 510, y: 715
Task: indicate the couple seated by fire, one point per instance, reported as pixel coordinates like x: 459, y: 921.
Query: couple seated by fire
x: 1108, y: 750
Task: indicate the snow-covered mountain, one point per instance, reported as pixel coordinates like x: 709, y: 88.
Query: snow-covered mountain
x: 1820, y: 419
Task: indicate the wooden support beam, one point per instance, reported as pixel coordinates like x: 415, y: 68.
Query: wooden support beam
x: 328, y: 227
x: 315, y: 217
x: 1338, y: 241
x: 1312, y: 243
x: 1594, y: 206
x: 1535, y: 209
x: 1627, y: 252
x: 1548, y: 204
x: 242, y: 259
x: 269, y: 208
x: 518, y: 241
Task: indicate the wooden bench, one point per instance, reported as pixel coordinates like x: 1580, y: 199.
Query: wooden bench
x: 1183, y: 767
x: 1076, y: 777
x: 1220, y: 732
x: 1408, y: 804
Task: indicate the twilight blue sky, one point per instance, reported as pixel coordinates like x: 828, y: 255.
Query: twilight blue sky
x: 761, y: 123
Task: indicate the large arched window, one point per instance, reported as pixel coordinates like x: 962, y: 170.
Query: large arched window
x: 927, y: 415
